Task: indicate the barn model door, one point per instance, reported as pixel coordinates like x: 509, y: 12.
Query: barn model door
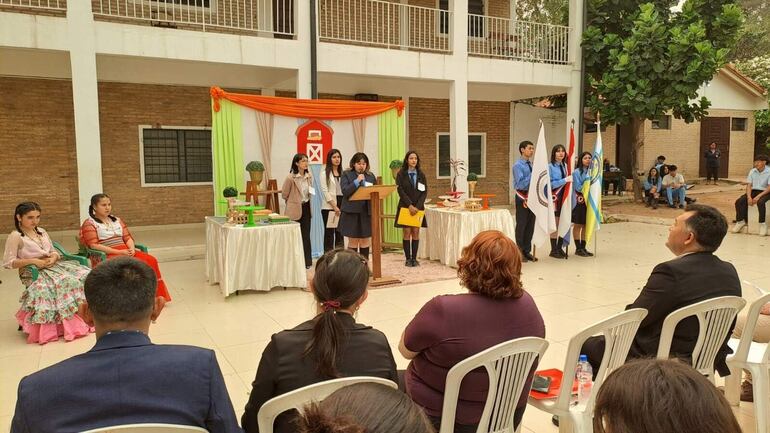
x: 715, y: 130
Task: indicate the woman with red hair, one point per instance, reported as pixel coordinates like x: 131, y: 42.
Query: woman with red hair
x: 451, y: 328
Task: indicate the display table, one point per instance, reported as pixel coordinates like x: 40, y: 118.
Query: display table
x: 449, y: 231
x: 257, y: 258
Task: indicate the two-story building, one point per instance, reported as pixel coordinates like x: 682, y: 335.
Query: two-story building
x: 113, y: 95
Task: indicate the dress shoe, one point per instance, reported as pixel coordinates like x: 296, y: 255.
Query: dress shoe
x: 739, y: 226
x: 529, y: 257
x: 408, y: 263
x: 747, y: 391
x: 555, y: 420
x: 415, y: 263
x: 581, y: 252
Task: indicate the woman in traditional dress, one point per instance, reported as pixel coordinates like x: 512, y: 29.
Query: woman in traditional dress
x: 107, y: 233
x: 50, y: 303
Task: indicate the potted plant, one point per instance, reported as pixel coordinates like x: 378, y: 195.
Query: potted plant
x: 395, y: 166
x: 458, y: 167
x: 230, y: 194
x: 256, y: 169
x: 472, y: 179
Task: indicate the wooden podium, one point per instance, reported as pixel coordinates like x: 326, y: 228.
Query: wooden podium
x: 374, y: 194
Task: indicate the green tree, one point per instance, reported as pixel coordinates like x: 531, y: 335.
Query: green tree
x: 643, y: 60
x: 758, y: 69
x: 754, y: 37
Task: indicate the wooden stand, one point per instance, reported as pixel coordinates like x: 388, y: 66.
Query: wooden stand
x: 374, y: 194
x: 271, y: 194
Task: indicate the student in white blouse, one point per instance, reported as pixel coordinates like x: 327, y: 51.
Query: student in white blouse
x: 296, y: 190
x: 332, y: 198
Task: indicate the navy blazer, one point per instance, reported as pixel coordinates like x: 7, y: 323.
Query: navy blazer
x: 408, y: 194
x: 349, y: 188
x: 125, y: 379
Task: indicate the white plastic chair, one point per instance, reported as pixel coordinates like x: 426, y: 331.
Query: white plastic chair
x: 754, y: 357
x: 149, y: 428
x: 714, y: 319
x: 299, y: 397
x: 619, y: 331
x: 508, y: 366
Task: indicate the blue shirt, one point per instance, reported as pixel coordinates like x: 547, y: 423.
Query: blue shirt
x: 579, y: 177
x: 648, y: 185
x: 558, y: 173
x: 522, y: 173
x: 759, y: 180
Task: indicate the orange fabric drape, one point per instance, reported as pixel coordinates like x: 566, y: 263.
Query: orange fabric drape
x: 307, y: 108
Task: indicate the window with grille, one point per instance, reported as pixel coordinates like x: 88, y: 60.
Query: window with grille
x: 476, y: 162
x: 661, y: 122
x: 176, y: 155
x: 738, y: 124
x: 475, y: 24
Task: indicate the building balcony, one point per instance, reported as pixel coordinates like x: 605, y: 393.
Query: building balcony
x: 274, y: 18
x: 36, y: 7
x: 504, y: 38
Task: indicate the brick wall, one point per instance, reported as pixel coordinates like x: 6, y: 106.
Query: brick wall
x: 38, y: 151
x: 122, y: 108
x: 427, y: 117
x: 681, y: 145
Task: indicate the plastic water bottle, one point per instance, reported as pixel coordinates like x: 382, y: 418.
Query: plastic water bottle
x: 585, y: 378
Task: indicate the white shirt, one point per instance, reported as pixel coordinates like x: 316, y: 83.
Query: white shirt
x: 759, y: 179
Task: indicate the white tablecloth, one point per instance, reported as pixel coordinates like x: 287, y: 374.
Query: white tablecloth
x: 256, y: 258
x: 449, y: 231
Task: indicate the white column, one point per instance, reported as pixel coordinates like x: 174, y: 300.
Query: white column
x: 458, y: 87
x: 303, y: 37
x: 85, y: 99
x: 574, y: 110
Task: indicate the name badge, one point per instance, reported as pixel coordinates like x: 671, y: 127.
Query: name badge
x: 311, y: 191
x: 420, y: 186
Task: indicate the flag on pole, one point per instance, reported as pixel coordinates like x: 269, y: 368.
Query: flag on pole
x: 565, y: 219
x: 592, y: 191
x: 539, y: 199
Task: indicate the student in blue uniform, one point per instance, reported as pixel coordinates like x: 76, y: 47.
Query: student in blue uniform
x: 525, y: 219
x: 559, y: 180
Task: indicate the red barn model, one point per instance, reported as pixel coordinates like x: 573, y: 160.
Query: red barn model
x: 314, y: 139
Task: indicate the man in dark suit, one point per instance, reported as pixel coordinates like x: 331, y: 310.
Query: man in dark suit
x: 125, y: 379
x: 695, y: 275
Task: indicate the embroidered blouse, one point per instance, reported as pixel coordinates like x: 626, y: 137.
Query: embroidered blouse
x: 18, y: 247
x: 112, y: 234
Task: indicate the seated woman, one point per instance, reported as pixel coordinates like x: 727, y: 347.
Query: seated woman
x: 633, y: 398
x: 652, y: 187
x: 329, y: 346
x: 49, y: 304
x: 450, y: 328
x: 364, y: 407
x: 109, y: 234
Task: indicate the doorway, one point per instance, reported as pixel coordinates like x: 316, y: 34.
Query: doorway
x: 715, y: 130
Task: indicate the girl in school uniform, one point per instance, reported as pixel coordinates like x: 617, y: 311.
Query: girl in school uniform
x: 559, y: 178
x: 356, y: 218
x: 332, y: 198
x: 581, y: 175
x: 412, y: 189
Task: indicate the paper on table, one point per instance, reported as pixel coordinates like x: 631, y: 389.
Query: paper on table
x: 333, y: 220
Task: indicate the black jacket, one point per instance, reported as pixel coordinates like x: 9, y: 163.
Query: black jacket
x: 408, y: 194
x: 349, y: 188
x: 675, y: 284
x: 283, y: 367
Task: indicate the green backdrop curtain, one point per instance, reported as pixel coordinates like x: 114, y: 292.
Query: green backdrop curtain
x: 391, y: 146
x: 227, y: 151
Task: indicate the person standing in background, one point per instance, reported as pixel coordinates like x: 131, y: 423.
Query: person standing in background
x: 712, y: 156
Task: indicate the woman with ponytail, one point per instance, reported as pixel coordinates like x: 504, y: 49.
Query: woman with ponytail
x: 107, y: 233
x: 49, y: 304
x: 364, y: 408
x: 329, y: 346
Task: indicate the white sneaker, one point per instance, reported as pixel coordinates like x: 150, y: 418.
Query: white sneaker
x: 738, y: 226
x: 763, y: 229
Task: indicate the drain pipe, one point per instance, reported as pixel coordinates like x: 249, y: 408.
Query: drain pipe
x: 313, y: 51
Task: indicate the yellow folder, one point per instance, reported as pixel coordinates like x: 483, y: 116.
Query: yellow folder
x: 406, y: 219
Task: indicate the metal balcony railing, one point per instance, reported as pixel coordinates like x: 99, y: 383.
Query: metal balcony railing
x: 249, y: 16
x: 384, y: 24
x: 50, y: 5
x: 517, y: 40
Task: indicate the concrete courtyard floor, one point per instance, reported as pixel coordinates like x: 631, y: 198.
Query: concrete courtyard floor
x: 571, y: 294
